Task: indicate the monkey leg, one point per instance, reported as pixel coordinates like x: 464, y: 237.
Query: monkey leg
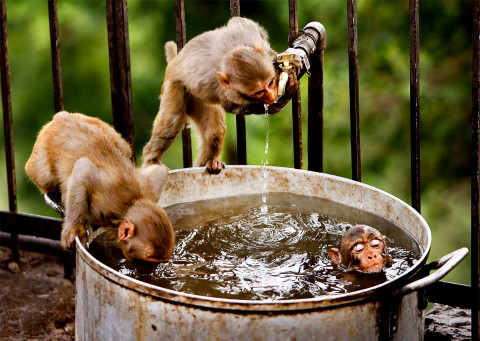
x: 77, y: 202
x: 169, y: 121
x: 156, y: 176
x: 210, y: 121
x: 39, y: 170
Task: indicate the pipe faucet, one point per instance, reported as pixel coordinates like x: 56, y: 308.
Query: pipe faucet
x: 313, y: 37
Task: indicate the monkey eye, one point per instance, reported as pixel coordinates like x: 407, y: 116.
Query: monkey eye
x: 259, y: 93
x: 272, y: 82
x: 358, y: 247
x: 375, y: 243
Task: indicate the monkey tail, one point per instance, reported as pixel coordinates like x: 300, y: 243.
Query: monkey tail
x: 170, y: 50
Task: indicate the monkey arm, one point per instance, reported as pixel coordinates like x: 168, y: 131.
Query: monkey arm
x: 210, y: 121
x: 169, y: 121
x: 77, y: 202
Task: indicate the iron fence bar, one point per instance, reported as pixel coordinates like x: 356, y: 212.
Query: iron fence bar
x: 315, y: 112
x: 234, y: 8
x: 353, y: 88
x: 239, y: 118
x: 296, y: 99
x: 475, y: 191
x: 120, y: 78
x: 8, y: 125
x: 415, y: 104
x: 56, y: 60
x: 181, y: 41
x: 241, y: 139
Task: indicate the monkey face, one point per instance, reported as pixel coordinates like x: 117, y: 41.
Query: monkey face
x: 362, y: 248
x: 250, y: 73
x: 367, y: 255
x: 145, y: 251
x: 150, y: 235
x: 266, y: 92
x: 263, y: 91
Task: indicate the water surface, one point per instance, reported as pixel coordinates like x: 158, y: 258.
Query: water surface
x: 244, y: 248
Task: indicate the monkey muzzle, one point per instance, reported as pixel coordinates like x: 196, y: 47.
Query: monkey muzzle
x: 270, y: 97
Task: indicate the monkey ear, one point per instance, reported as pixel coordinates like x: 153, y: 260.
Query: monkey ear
x: 335, y: 256
x: 126, y: 230
x: 259, y: 47
x: 223, y: 79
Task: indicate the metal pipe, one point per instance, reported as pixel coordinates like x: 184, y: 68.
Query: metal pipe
x: 30, y: 224
x: 45, y: 246
x: 7, y: 124
x: 459, y: 295
x: 32, y: 243
x: 310, y: 45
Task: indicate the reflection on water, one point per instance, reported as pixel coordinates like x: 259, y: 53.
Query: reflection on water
x: 232, y: 248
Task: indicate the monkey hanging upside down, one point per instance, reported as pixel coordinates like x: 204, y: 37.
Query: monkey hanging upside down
x: 89, y: 163
x: 227, y: 69
x: 362, y: 248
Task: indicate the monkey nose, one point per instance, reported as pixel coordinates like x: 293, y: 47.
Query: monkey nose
x: 270, y: 97
x: 268, y: 102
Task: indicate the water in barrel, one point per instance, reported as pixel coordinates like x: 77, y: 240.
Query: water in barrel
x: 237, y: 248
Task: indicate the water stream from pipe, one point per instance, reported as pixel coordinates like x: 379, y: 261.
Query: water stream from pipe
x: 264, y: 208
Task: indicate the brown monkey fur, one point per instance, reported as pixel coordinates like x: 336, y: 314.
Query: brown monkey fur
x: 226, y: 69
x: 89, y: 163
x: 362, y: 248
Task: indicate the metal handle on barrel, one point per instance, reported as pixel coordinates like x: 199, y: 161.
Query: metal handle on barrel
x: 444, y: 266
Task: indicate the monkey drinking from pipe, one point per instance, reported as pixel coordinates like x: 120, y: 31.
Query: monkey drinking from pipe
x: 228, y: 69
x: 362, y: 248
x: 89, y: 163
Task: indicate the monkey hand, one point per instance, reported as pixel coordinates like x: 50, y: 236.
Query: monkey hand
x: 68, y: 237
x: 290, y: 91
x: 294, y: 61
x: 215, y: 166
x: 292, y: 85
x: 297, y: 65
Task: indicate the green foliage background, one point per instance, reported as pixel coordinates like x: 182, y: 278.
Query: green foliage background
x: 383, y: 46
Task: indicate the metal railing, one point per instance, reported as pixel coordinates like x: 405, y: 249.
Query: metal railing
x: 20, y: 226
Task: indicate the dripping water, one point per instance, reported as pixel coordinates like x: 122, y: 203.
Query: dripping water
x: 264, y: 208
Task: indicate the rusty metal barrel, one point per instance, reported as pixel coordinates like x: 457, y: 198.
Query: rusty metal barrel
x: 112, y: 306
